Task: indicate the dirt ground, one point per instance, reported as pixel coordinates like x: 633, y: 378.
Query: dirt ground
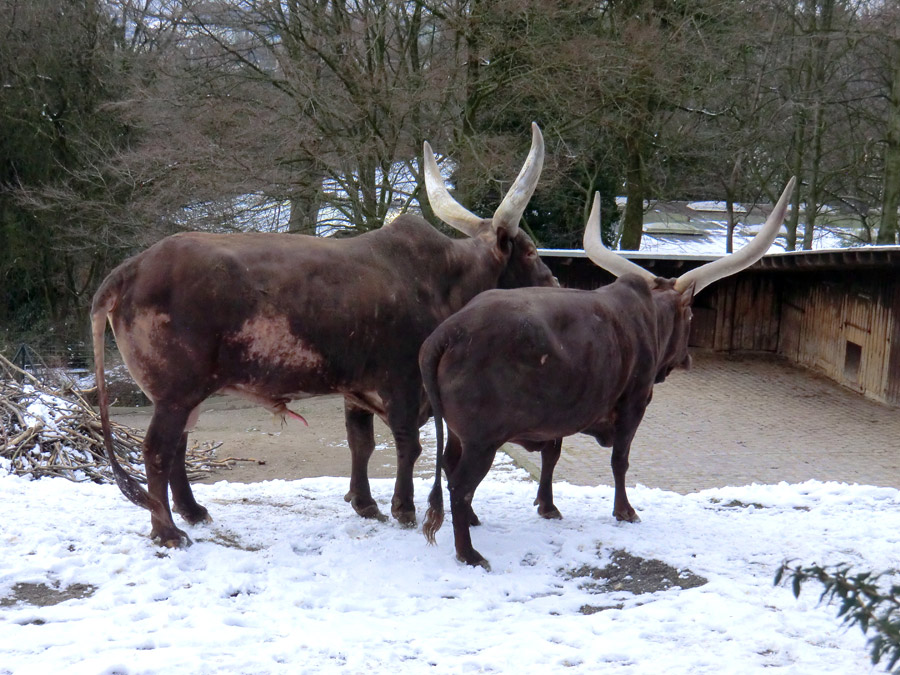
x: 729, y: 421
x: 289, y: 451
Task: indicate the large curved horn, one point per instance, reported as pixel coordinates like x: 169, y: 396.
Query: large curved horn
x: 513, y: 205
x: 602, y: 256
x: 719, y: 269
x: 444, y: 206
x: 511, y: 208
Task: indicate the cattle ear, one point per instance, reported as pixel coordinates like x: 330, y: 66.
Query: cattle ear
x: 504, y: 241
x: 687, y: 295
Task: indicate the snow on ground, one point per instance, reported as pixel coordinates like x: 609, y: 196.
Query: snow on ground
x: 712, y: 241
x: 715, y: 206
x: 289, y: 580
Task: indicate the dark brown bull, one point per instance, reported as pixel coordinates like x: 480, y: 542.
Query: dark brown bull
x: 278, y: 317
x: 532, y: 366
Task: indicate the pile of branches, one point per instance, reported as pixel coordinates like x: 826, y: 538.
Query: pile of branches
x: 49, y: 429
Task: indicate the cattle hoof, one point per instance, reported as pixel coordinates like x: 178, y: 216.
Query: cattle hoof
x: 173, y: 539
x: 370, y: 511
x: 195, y: 516
x: 474, y: 559
x: 550, y: 514
x: 405, y: 518
x: 627, y: 517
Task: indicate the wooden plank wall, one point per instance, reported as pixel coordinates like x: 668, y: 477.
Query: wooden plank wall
x: 748, y: 314
x: 892, y: 362
x: 845, y: 328
x: 819, y: 345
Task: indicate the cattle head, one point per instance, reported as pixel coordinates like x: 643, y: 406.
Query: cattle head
x: 673, y: 325
x: 510, y: 245
x: 673, y: 297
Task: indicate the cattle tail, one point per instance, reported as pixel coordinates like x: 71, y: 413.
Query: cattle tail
x: 104, y: 302
x: 434, y: 516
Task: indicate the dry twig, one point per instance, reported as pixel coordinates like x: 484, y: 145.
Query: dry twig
x: 47, y: 431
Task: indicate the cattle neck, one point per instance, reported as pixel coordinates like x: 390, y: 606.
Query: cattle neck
x: 673, y: 321
x: 474, y: 264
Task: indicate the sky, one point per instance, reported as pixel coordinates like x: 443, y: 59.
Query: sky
x: 288, y: 579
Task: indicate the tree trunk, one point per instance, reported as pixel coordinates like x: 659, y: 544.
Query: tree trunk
x: 305, y: 198
x: 794, y: 217
x: 633, y: 223
x: 729, y: 236
x: 813, y: 194
x: 888, y: 228
x: 730, y: 192
x: 473, y: 74
x: 304, y: 213
x: 822, y: 30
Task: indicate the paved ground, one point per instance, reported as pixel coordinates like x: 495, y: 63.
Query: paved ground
x: 729, y: 421
x: 741, y: 420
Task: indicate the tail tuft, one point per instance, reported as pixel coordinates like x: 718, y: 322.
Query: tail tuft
x: 434, y: 518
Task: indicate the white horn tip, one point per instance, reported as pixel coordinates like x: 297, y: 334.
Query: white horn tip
x: 537, y: 138
x: 784, y: 200
x: 594, y: 218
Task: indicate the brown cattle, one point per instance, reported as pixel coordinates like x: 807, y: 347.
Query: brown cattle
x: 279, y: 317
x: 532, y: 366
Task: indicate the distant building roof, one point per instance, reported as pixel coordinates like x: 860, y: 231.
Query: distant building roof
x: 856, y: 257
x: 702, y: 227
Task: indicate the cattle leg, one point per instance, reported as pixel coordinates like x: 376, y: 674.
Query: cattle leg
x: 470, y: 471
x: 183, y: 500
x: 622, y: 509
x: 361, y: 438
x: 626, y: 427
x: 452, y: 453
x: 550, y: 452
x: 406, y: 437
x: 161, y: 446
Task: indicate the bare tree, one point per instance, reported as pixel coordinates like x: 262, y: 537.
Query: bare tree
x: 821, y: 78
x: 311, y: 103
x: 659, y: 58
x: 887, y: 27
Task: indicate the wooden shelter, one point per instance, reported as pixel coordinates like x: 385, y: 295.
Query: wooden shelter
x: 836, y: 312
